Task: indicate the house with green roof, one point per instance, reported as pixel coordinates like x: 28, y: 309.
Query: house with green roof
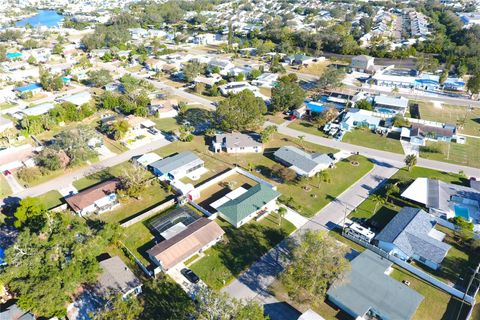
x: 241, y: 205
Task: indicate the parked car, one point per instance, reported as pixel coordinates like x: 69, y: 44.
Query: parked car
x: 190, y: 275
x: 7, y: 173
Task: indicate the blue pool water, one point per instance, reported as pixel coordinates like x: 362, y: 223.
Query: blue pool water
x: 47, y: 18
x: 385, y: 110
x: 13, y: 55
x: 462, y: 212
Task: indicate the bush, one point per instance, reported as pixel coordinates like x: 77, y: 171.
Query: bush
x: 430, y: 149
x: 29, y: 174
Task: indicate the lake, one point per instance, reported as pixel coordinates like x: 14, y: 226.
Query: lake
x: 47, y: 18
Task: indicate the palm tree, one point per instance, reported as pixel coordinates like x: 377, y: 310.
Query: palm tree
x: 378, y: 199
x: 322, y: 176
x: 281, y: 213
x: 410, y: 161
x: 301, y: 139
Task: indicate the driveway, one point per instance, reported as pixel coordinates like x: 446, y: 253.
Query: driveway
x: 13, y: 183
x: 190, y: 288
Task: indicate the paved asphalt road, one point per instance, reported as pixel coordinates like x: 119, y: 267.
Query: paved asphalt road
x: 67, y: 179
x: 378, y: 154
x: 253, y: 283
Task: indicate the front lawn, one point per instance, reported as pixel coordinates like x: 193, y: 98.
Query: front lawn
x: 307, y: 127
x: 467, y: 154
x: 369, y: 139
x: 51, y: 199
x: 5, y: 189
x: 240, y: 248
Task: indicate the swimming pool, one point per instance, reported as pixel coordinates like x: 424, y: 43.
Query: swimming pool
x: 385, y: 110
x: 462, y: 212
x: 13, y: 55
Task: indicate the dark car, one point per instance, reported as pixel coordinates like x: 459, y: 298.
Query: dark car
x: 7, y: 172
x: 190, y: 275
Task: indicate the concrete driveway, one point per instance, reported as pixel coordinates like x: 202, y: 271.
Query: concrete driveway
x: 190, y: 288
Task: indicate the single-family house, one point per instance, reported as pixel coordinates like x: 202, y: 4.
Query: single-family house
x: 419, y: 133
x: 391, y: 105
x: 368, y: 292
x: 208, y: 81
x: 97, y: 199
x: 115, y: 86
x: 237, y: 142
x: 117, y: 278
x: 224, y: 65
x: 310, y: 315
x: 236, y: 87
x: 362, y: 63
x: 153, y: 64
x: 146, y: 159
x: 303, y: 163
x: 411, y: 234
x: 266, y: 80
x: 358, y: 118
x: 11, y: 311
x: 32, y: 88
x: 163, y: 108
x: 78, y: 99
x: 301, y: 59
x: 177, y: 166
x: 446, y: 200
x: 241, y: 205
x: 36, y: 110
x: 454, y: 84
x: 137, y: 123
x: 183, y: 241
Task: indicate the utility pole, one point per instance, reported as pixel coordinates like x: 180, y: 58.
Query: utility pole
x: 474, y: 276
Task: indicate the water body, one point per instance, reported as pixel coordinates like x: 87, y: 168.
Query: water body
x: 46, y: 18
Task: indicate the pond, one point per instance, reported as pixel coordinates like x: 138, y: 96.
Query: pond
x: 47, y: 18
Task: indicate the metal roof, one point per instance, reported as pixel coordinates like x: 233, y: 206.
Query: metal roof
x: 175, y: 162
x: 300, y: 159
x: 251, y: 201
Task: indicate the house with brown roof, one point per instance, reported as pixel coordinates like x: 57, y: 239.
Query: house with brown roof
x: 97, y: 199
x: 195, y: 238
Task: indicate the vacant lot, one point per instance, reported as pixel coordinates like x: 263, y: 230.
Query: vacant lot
x: 467, y: 120
x: 240, y: 248
x: 467, y: 154
x: 369, y: 139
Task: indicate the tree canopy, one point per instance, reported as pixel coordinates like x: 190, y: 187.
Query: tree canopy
x: 46, y: 266
x: 287, y: 94
x: 242, y: 111
x: 316, y: 262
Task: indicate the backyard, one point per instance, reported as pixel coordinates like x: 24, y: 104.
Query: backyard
x: 239, y: 249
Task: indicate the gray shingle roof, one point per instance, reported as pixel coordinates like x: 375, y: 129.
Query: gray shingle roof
x: 368, y: 287
x: 409, y: 231
x: 300, y: 159
x: 175, y: 162
x: 116, y: 276
x: 236, y: 140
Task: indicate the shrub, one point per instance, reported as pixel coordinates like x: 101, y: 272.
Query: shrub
x: 430, y: 149
x: 29, y: 174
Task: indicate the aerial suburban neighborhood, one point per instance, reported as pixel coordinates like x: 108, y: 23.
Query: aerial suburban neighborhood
x: 240, y: 159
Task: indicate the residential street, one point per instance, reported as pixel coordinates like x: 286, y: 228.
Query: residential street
x: 255, y: 281
x: 67, y: 179
x: 377, y: 154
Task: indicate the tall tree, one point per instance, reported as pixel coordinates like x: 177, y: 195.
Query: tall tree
x: 287, y: 94
x: 75, y: 143
x: 410, y: 161
x: 242, y: 111
x: 30, y: 214
x: 45, y: 268
x: 316, y: 262
x: 99, y: 78
x: 473, y: 84
x: 134, y: 180
x: 331, y: 78
x: 118, y: 308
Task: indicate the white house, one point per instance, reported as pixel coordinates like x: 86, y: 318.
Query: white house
x: 236, y: 143
x: 177, y: 166
x: 97, y: 199
x: 304, y: 164
x: 267, y: 80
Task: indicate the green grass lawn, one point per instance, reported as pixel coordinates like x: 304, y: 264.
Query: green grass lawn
x: 385, y: 212
x: 166, y: 124
x: 452, y: 114
x: 277, y: 118
x: 366, y: 138
x: 114, y: 146
x: 307, y: 127
x: 437, y: 304
x: 100, y: 176
x: 5, y: 189
x: 51, y: 199
x: 467, y: 154
x: 240, y: 248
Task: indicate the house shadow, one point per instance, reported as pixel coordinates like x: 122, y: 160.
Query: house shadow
x: 280, y: 311
x: 382, y: 217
